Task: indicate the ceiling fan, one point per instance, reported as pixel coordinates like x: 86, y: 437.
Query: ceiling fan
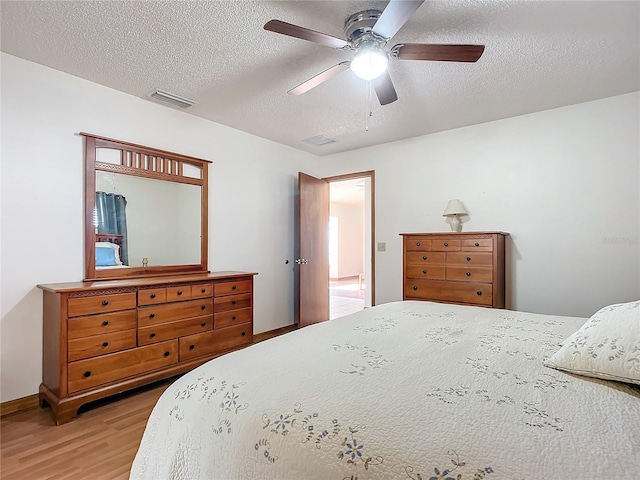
x: 368, y: 33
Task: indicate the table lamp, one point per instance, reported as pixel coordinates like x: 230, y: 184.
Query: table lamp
x: 453, y: 210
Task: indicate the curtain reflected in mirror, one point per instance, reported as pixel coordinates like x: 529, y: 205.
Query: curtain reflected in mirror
x: 111, y: 224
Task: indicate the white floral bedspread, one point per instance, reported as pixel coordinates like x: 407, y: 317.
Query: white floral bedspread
x: 407, y: 390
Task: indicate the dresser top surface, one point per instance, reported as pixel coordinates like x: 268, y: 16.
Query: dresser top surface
x: 141, y: 282
x: 449, y: 234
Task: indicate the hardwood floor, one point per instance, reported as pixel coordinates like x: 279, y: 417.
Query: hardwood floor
x: 98, y: 445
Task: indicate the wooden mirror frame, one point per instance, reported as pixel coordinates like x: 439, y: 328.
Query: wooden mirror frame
x: 146, y: 162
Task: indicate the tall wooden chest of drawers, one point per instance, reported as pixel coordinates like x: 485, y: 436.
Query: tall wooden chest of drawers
x: 102, y: 338
x: 464, y: 268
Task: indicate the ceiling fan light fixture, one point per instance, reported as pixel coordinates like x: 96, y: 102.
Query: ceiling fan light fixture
x: 369, y: 63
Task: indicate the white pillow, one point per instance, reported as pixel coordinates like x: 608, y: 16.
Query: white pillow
x: 606, y: 346
x: 115, y: 246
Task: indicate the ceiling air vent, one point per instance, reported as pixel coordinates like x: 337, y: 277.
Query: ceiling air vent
x: 172, y: 99
x: 319, y: 140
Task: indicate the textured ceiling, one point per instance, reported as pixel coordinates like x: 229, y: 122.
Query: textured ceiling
x: 539, y: 55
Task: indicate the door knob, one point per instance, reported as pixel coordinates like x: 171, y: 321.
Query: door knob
x: 301, y: 261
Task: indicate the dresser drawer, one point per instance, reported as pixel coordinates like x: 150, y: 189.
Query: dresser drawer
x: 418, y: 243
x: 459, y: 292
x: 445, y: 244
x: 470, y: 258
x: 426, y: 271
x: 152, y: 296
x: 231, y: 288
x: 425, y: 258
x: 215, y: 341
x: 181, y: 292
x: 232, y: 317
x: 470, y: 274
x: 167, y: 331
x: 232, y: 302
x: 100, y: 344
x: 101, y: 304
x: 81, y: 327
x: 89, y: 373
x: 171, y: 312
x: 477, y: 244
x: 202, y: 290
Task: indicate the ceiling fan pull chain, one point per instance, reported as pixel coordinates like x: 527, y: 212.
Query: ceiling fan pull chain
x: 367, y: 107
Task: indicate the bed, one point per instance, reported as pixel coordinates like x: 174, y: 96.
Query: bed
x: 410, y: 390
x: 108, y: 251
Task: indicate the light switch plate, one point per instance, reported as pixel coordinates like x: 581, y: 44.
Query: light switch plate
x: 382, y: 247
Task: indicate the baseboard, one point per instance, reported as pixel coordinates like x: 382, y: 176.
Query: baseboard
x: 19, y: 404
x: 260, y: 337
x: 25, y: 403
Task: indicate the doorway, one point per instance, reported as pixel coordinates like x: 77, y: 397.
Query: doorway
x: 351, y: 262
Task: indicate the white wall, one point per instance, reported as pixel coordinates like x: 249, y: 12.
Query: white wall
x: 251, y: 202
x: 564, y: 183
x: 350, y: 238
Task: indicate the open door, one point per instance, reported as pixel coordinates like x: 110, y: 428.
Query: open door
x: 313, y: 250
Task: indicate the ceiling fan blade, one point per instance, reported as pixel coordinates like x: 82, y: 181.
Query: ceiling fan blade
x: 318, y: 79
x: 304, y: 33
x: 384, y: 89
x: 438, y: 53
x: 394, y: 16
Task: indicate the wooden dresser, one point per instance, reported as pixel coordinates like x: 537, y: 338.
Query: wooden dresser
x: 464, y: 268
x: 105, y: 337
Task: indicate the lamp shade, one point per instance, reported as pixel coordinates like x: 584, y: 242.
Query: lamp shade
x: 454, y: 207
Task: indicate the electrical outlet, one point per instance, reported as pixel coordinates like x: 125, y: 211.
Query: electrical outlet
x: 382, y: 247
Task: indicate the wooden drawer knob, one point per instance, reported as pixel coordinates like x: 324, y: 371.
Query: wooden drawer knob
x: 166, y: 354
x: 203, y: 307
x: 417, y: 244
x: 179, y: 292
x: 152, y: 335
x: 105, y: 303
x: 203, y: 290
x: 105, y: 344
x: 203, y: 324
x: 234, y: 287
x: 233, y: 318
x: 86, y: 374
x: 152, y: 315
x: 479, y: 293
x: 153, y: 295
x: 233, y: 302
x: 192, y: 346
x: 446, y: 244
x: 424, y: 257
x: 105, y: 323
x: 468, y: 259
x: 468, y: 274
x: 244, y: 333
x: 477, y: 244
x: 415, y: 287
x: 424, y: 272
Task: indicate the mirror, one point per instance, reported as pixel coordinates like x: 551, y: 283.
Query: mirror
x: 145, y: 211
